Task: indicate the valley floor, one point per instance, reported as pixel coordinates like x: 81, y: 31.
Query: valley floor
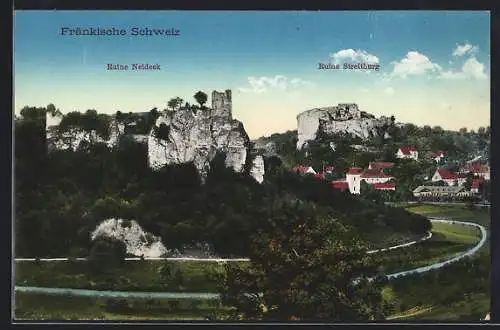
x: 409, y: 301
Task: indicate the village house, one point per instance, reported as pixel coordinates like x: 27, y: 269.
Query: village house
x: 380, y: 165
x: 449, y: 177
x: 355, y: 175
x: 438, y: 157
x: 327, y: 169
x: 476, y: 185
x: 407, y: 153
x: 384, y: 186
x: 320, y: 175
x: 441, y: 191
x: 478, y: 169
x: 375, y: 176
x: 299, y: 169
x: 340, y: 185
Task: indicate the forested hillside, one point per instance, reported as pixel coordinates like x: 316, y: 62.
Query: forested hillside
x: 62, y: 196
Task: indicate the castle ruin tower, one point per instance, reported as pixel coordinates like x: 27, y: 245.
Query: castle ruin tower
x: 222, y: 104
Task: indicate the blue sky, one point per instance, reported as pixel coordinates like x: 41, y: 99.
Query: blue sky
x: 434, y: 66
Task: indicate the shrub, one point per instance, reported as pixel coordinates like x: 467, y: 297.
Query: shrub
x: 106, y: 253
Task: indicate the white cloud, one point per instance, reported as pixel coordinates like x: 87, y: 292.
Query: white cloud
x: 389, y: 91
x: 261, y: 85
x: 354, y: 56
x: 364, y: 90
x: 464, y: 49
x: 414, y: 63
x: 472, y: 68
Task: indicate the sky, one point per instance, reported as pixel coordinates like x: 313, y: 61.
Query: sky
x: 434, y: 66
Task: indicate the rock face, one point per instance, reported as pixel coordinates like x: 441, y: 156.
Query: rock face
x: 267, y: 148
x: 73, y: 138
x: 257, y: 171
x: 197, y: 135
x: 343, y: 118
x: 181, y: 136
x: 137, y: 241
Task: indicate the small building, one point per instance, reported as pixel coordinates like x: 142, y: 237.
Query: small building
x: 478, y: 169
x: 449, y: 177
x: 355, y: 175
x: 340, y: 185
x: 328, y: 168
x: 384, y: 186
x: 320, y: 175
x: 476, y: 185
x: 380, y: 165
x: 375, y: 176
x: 303, y: 170
x: 407, y: 153
x: 441, y: 191
x: 438, y: 157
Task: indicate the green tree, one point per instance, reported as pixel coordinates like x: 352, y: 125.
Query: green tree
x: 468, y: 181
x: 370, y: 193
x: 154, y: 113
x: 106, y: 253
x: 201, y: 98
x: 33, y: 114
x: 161, y: 132
x: 308, y: 267
x: 175, y: 103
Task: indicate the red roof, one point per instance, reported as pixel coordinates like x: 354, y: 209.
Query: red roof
x: 328, y: 168
x: 408, y: 150
x: 476, y: 183
x: 354, y: 170
x: 439, y: 154
x: 387, y: 185
x: 374, y: 173
x: 476, y: 168
x: 320, y: 176
x: 341, y: 185
x: 380, y: 165
x: 300, y: 169
x: 447, y: 175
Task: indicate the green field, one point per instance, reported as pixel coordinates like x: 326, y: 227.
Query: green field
x: 131, y: 276
x: 456, y: 293
x: 30, y: 306
x: 480, y: 215
x: 446, y: 242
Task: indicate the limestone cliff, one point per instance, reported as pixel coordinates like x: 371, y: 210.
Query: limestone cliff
x: 196, y: 135
x: 343, y: 118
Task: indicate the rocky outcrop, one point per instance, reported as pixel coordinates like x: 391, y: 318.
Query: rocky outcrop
x: 265, y: 147
x: 71, y: 139
x: 197, y: 135
x: 74, y: 137
x: 257, y: 171
x: 343, y: 118
x: 137, y: 241
x: 188, y: 134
